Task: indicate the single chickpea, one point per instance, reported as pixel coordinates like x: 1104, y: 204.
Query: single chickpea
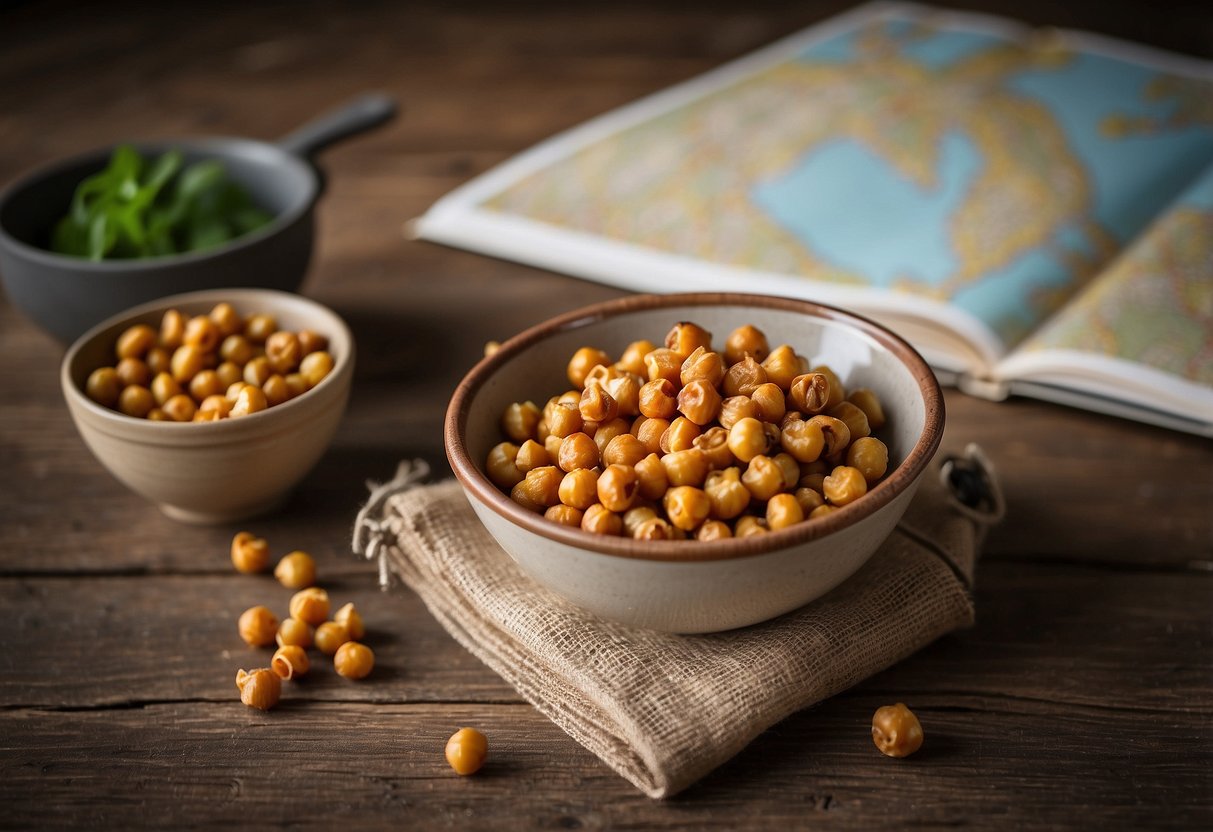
x: 854, y: 418
x: 563, y: 420
x: 519, y: 420
x: 260, y: 688
x: 297, y: 384
x: 763, y: 478
x: 157, y: 415
x: 790, y: 469
x: 835, y: 434
x: 186, y: 363
x: 746, y: 340
x: 466, y: 751
x: 625, y: 390
x: 501, y: 466
x: 750, y: 526
x: 803, y: 440
x: 296, y: 570
x: 651, y: 477
x: 783, y: 510
x: 744, y: 377
x: 296, y: 632
x: 584, y: 360
x: 597, y: 405
x: 311, y: 341
x: 164, y: 387
x: 782, y: 366
x: 226, y: 318
x: 237, y: 349
x: 353, y: 660
x: 310, y: 605
x: 207, y: 416
x: 713, y: 530
x: 663, y: 363
x: 736, y: 408
x: 699, y: 402
x: 655, y: 529
x: 689, y: 467
x: 601, y: 375
x: 896, y: 730
x: 283, y: 352
x: 329, y: 636
x: 600, y: 520
x: 635, y: 517
x: 728, y: 496
x: 136, y: 401
x: 579, y: 488
x: 530, y: 456
x: 702, y: 365
x: 748, y: 439
x: 810, y: 393
x: 564, y: 515
x: 551, y: 444
x: 606, y: 431
x: 257, y: 370
x: 315, y: 367
x: 205, y: 383
x: 822, y: 511
x: 229, y: 373
x: 770, y: 401
x: 686, y: 506
x: 658, y: 399
x: 159, y: 360
x: 844, y: 485
x: 624, y: 449
x: 290, y: 661
x: 257, y: 626
x: 650, y: 432
x: 618, y: 488
x: 542, y: 486
x: 103, y: 386
x: 349, y: 617
x: 870, y: 456
x: 867, y: 401
x: 521, y: 495
x: 135, y: 341
x: 250, y: 554
x: 679, y: 436
x: 686, y: 336
x: 133, y: 371
x: 632, y: 359
x: 250, y: 400
x: 578, y: 451
x: 172, y: 329
x: 838, y: 392
x: 260, y: 327
x: 808, y: 499
x: 201, y: 333
x: 714, y: 443
x: 233, y: 392
x: 276, y: 390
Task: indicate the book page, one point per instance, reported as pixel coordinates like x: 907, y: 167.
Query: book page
x: 896, y: 157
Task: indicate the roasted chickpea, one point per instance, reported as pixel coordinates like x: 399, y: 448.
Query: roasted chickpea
x: 728, y: 496
x: 803, y: 440
x: 329, y: 636
x: 276, y: 390
x: 136, y: 401
x: 632, y: 359
x: 186, y: 363
x: 658, y: 399
x: 810, y: 393
x: 808, y: 500
x: 260, y: 688
x: 714, y: 443
x: 164, y: 387
x: 133, y: 371
x: 205, y: 383
x: 782, y: 366
x: 579, y: 488
x: 292, y: 631
x: 736, y: 408
x: 624, y: 449
x: 896, y: 730
x: 237, y: 349
x: 869, y: 456
x: 296, y: 570
x: 689, y: 467
x: 822, y: 511
x: 748, y: 439
x: 584, y: 360
x: 250, y: 554
x: 159, y: 360
x: 349, y: 618
x: 229, y: 373
x: 283, y: 352
x: 679, y: 436
x: 551, y: 444
x: 519, y: 421
x: 597, y: 405
x: 790, y: 469
x: 172, y: 329
x: 103, y: 386
x: 743, y: 341
x: 578, y: 451
x: 353, y: 660
x: 135, y: 341
x: 564, y: 515
x: 311, y: 341
x: 853, y: 418
x: 651, y: 477
x: 297, y: 384
x: 744, y: 377
x: 599, y: 520
x: 763, y: 478
x: 835, y: 434
x: 602, y: 375
x: 838, y: 392
x: 783, y: 510
x: 531, y: 455
x: 844, y: 485
x: 157, y: 415
x: 606, y: 431
x: 699, y: 402
x: 542, y: 486
x: 625, y: 390
x: 685, y: 337
x: 663, y: 363
x: 310, y: 605
x: 290, y: 661
x: 201, y: 333
x: 618, y: 488
x: 501, y: 466
x: 770, y: 401
x: 260, y: 327
x: 257, y: 626
x: 867, y: 401
x: 249, y: 400
x: 702, y: 365
x: 564, y: 419
x: 656, y: 529
x: 314, y: 367
x: 749, y: 526
x: 713, y: 530
x: 686, y: 506
x: 650, y: 432
x: 466, y: 751
x: 635, y: 517
x: 257, y: 371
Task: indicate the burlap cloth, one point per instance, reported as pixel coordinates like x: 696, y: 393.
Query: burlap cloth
x: 663, y: 710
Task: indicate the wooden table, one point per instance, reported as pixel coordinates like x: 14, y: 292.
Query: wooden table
x: 1080, y: 699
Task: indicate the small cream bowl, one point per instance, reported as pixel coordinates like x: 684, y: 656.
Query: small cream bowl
x: 690, y: 586
x: 222, y: 471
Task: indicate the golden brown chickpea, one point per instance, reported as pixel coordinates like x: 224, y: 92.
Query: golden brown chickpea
x: 714, y: 530
x: 625, y: 390
x: 136, y: 401
x: 835, y: 434
x: 655, y: 529
x: 728, y: 496
x: 686, y: 506
x: 297, y: 384
x: 838, y: 392
x: 501, y: 466
x: 822, y: 511
x: 257, y: 626
x: 250, y: 554
x: 164, y: 387
x: 563, y: 420
x: 260, y: 688
x: 844, y: 485
x: 635, y: 517
x: 296, y: 570
x: 714, y: 443
x: 763, y: 478
x: 789, y: 467
x: 260, y: 327
x: 686, y: 336
x: 283, y: 352
x: 658, y: 399
x: 159, y: 360
x: 551, y: 444
x: 310, y: 605
x: 249, y: 400
x: 531, y: 455
x: 689, y: 467
x: 579, y: 489
x: 353, y: 660
x: 237, y: 349
x: 564, y: 515
x: 226, y: 319
x: 803, y: 440
x: 702, y: 365
x: 810, y: 393
x: 736, y: 408
x: 632, y: 359
x: 228, y: 374
x: 232, y: 393
x: 103, y: 386
x: 601, y: 375
x: 748, y: 439
x: 618, y: 488
x: 783, y: 510
x: 679, y: 436
x: 599, y: 520
x: 329, y: 636
x: 315, y: 366
x: 744, y: 377
x: 624, y: 449
x: 202, y: 334
x: 746, y: 340
x: 133, y: 371
x: 290, y: 661
x: 521, y: 495
x: 186, y: 363
x: 157, y: 415
x: 597, y: 405
x: 519, y: 421
x: 206, y: 383
x: 867, y: 401
x: 663, y: 363
x: 896, y: 730
x: 466, y: 751
x: 651, y: 476
x: 869, y: 456
x: 578, y: 451
x: 276, y: 390
x: 750, y: 526
x: 257, y: 371
x: 699, y: 402
x: 172, y: 329
x: 584, y: 360
x: 311, y: 341
x: 135, y: 341
x: 650, y: 431
x: 854, y: 418
x: 605, y: 432
x: 782, y: 366
x: 349, y: 618
x: 207, y: 416
x: 808, y: 499
x: 296, y: 632
x: 770, y: 401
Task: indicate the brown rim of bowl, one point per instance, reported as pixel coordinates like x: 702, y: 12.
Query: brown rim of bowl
x: 472, y: 479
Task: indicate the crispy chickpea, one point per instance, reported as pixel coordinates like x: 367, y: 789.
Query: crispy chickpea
x: 625, y: 390
x: 896, y: 730
x: 746, y: 340
x: 744, y: 377
x: 315, y: 366
x: 564, y: 419
x: 276, y: 390
x: 530, y: 456
x: 867, y: 401
x: 295, y: 632
x: 663, y: 363
x: 296, y: 570
x: 578, y: 451
x: 135, y: 341
x: 228, y: 373
x: 519, y: 421
x: 257, y: 626
x: 869, y: 456
x: 679, y: 436
x: 186, y: 363
x: 714, y: 443
x: 259, y: 327
x: 728, y: 496
x: 713, y: 530
x: 584, y: 360
x: 736, y: 408
x: 598, y: 405
x: 685, y: 337
x: 822, y: 511
x: 748, y: 439
x: 136, y: 401
x: 329, y: 636
x: 632, y: 359
x: 699, y: 402
x: 249, y: 400
x: 257, y: 371
x: 783, y: 510
x: 702, y: 365
x: 624, y: 449
x: 658, y: 399
x: 838, y: 392
x: 290, y: 661
x: 809, y: 499
x: 466, y: 751
x: 835, y: 434
x: 844, y: 485
x: 501, y: 466
x: 353, y: 660
x: 233, y: 392
x: 770, y: 401
x: 650, y: 431
x: 236, y: 349
x: 564, y: 515
x: 207, y: 416
x: 600, y: 520
x: 854, y: 418
x: 551, y: 444
x: 763, y: 478
x: 310, y: 605
x: 689, y: 467
x: 651, y: 476
x: 635, y: 517
x: 250, y: 554
x: 686, y: 506
x: 349, y: 617
x: 655, y: 529
x: 283, y: 352
x: 749, y: 526
x: 311, y: 341
x: 790, y: 469
x: 810, y: 393
x: 618, y: 488
x: 201, y: 332
x: 602, y: 375
x: 782, y: 366
x: 103, y: 386
x: 172, y: 329
x: 157, y: 415
x: 206, y: 383
x: 133, y: 371
x: 260, y: 688
x: 579, y: 488
x: 803, y: 440
x: 541, y: 486
x: 164, y: 387
x: 158, y: 360
x: 297, y: 384
x: 606, y: 431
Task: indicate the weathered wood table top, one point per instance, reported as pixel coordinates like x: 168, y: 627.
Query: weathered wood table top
x: 1081, y: 698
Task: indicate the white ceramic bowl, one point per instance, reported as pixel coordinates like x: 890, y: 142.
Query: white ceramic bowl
x: 213, y: 472
x: 692, y: 586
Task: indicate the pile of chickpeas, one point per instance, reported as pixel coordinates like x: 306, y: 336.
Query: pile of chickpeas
x: 209, y: 367
x: 676, y: 441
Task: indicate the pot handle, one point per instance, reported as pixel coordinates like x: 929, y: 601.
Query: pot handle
x: 361, y: 114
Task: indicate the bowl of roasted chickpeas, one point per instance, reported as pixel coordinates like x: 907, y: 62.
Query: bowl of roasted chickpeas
x: 213, y: 404
x: 695, y: 462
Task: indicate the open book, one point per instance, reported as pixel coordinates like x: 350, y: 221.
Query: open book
x: 1033, y: 210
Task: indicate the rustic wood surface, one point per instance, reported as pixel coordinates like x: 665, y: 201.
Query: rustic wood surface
x: 1082, y: 697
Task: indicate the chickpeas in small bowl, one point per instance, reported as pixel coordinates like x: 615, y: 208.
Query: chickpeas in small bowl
x: 589, y: 519
x: 203, y: 447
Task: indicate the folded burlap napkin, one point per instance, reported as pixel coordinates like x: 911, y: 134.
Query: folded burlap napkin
x: 663, y: 710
